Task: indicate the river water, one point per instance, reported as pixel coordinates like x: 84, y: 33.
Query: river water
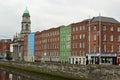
x: 4, y: 75
x: 9, y: 76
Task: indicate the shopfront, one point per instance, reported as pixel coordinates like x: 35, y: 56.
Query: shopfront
x: 101, y: 58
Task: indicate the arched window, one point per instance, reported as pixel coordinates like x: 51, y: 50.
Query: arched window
x: 27, y: 27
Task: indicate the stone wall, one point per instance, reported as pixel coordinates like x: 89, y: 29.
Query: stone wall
x: 92, y: 72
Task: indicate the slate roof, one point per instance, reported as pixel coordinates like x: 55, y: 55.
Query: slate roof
x: 104, y: 19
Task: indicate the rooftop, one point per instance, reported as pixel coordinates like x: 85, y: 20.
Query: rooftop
x: 104, y: 19
x: 26, y: 11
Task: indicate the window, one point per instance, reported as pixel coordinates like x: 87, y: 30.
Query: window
x: 68, y: 45
x: 76, y: 37
x: 95, y: 37
x: 119, y: 37
x: 68, y: 37
x: 111, y: 28
x: 111, y: 37
x: 83, y: 27
x: 73, y: 45
x: 73, y: 37
x: 73, y: 29
x: 104, y: 28
x: 83, y: 44
x: 104, y: 37
x: 80, y: 52
x: 80, y: 45
x: 83, y: 36
x: 76, y: 28
x: 111, y: 48
x: 104, y: 48
x: 80, y: 36
x: 80, y: 28
x: 118, y: 29
x: 76, y: 45
x: 83, y: 53
x: 94, y: 27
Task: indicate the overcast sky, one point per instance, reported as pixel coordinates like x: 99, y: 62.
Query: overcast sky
x: 47, y: 14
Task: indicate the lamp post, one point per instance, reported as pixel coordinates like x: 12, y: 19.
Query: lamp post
x: 44, y: 56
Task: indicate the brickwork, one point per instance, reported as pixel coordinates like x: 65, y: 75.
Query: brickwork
x: 47, y: 45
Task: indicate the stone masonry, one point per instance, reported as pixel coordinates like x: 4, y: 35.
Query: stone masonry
x: 92, y: 72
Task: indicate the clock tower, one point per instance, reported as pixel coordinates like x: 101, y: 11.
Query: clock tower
x: 18, y: 40
x: 25, y: 24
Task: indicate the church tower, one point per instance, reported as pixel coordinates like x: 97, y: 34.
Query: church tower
x: 18, y: 40
x: 26, y: 24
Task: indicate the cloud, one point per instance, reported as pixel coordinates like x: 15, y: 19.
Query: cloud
x: 46, y: 14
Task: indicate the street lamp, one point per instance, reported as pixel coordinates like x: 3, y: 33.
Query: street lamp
x: 44, y: 56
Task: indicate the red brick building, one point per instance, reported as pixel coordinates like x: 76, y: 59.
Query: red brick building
x: 104, y: 38
x: 79, y: 41
x: 47, y: 45
x: 105, y: 35
x: 4, y: 47
x: 38, y: 46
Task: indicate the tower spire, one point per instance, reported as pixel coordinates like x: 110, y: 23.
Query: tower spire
x: 26, y: 11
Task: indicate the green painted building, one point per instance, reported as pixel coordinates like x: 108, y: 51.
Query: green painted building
x: 65, y: 43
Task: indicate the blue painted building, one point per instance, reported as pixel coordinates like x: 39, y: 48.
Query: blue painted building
x: 31, y: 46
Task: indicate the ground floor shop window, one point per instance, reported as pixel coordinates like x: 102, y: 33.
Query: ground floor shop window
x: 106, y: 60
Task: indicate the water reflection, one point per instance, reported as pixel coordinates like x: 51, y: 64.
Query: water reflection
x: 15, y: 75
x: 4, y: 75
x: 8, y: 76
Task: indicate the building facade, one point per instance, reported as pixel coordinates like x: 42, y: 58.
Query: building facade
x: 4, y: 48
x: 104, y: 39
x: 79, y: 41
x: 31, y: 47
x: 38, y: 40
x: 18, y: 40
x: 47, y: 45
x: 25, y: 47
x: 65, y: 43
x: 52, y: 44
x: 104, y: 35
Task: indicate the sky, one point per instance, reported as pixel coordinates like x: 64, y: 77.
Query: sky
x: 46, y: 14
